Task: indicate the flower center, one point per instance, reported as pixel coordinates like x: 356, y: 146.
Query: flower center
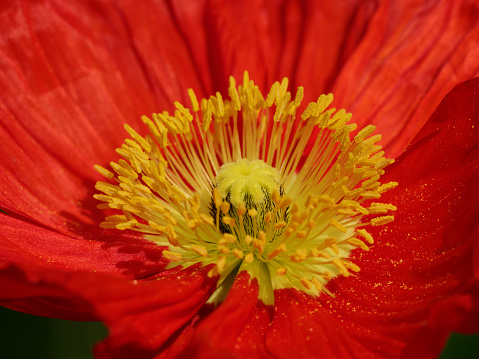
x: 244, y: 185
x: 254, y: 178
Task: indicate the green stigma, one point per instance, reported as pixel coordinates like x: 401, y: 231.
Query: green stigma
x: 242, y: 177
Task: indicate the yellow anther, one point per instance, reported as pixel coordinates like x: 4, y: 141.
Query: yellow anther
x: 267, y: 217
x: 358, y: 243
x: 229, y: 238
x: 172, y: 220
x: 172, y: 236
x: 193, y: 223
x: 338, y: 225
x: 299, y: 96
x: 108, y: 225
x: 272, y: 95
x: 300, y: 255
x: 278, y: 225
x: 281, y: 271
x: 238, y: 253
x: 207, y: 116
x: 116, y: 218
x: 217, y: 200
x: 194, y: 102
x: 207, y: 219
x: 127, y: 225
x: 201, y: 250
x: 223, y: 248
x: 370, y: 182
x: 252, y: 213
x: 383, y: 163
x: 104, y: 172
x: 309, y: 111
x: 241, y: 209
x: 262, y: 236
x: 141, y: 142
x: 347, y: 211
x: 184, y: 111
x: 323, y: 102
x: 342, y: 268
x: 306, y: 283
x: 317, y: 284
x: 229, y: 221
x: 289, y: 231
x: 220, y: 105
x: 319, y: 254
x: 334, y: 248
x: 279, y: 249
x: 351, y: 266
x: 327, y: 275
x: 225, y: 207
x: 371, y: 195
x: 301, y: 234
x: 381, y: 208
x: 249, y: 258
x: 233, y: 92
x: 276, y: 197
x: 259, y: 245
x: 379, y: 221
x: 365, y: 132
x: 363, y: 233
x: 386, y: 187
x: 248, y: 240
x: 172, y: 256
x: 220, y: 264
x: 285, y: 202
x: 156, y: 226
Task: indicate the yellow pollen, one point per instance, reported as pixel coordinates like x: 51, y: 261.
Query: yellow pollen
x: 247, y: 183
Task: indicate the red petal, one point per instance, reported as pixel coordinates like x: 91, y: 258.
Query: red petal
x: 171, y: 49
x: 236, y: 329
x: 301, y: 328
x: 170, y: 349
x: 42, y: 291
x: 410, y: 57
x: 419, y: 281
x: 304, y: 41
x: 98, y: 251
x: 146, y: 314
x: 327, y: 34
x: 72, y: 75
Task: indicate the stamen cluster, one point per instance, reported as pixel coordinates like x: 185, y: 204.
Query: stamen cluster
x: 293, y: 226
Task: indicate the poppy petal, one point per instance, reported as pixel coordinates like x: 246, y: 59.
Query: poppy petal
x: 99, y: 250
x: 236, y: 328
x: 304, y: 41
x: 41, y: 291
x: 67, y: 68
x: 410, y: 57
x: 301, y: 328
x: 420, y: 278
x: 145, y: 314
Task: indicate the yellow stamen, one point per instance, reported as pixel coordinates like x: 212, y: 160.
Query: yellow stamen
x: 229, y: 183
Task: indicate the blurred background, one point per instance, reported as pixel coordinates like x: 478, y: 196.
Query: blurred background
x: 28, y: 336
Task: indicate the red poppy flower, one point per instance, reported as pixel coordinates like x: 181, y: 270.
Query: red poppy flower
x: 74, y: 73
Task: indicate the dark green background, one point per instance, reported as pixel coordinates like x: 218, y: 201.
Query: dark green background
x: 27, y: 336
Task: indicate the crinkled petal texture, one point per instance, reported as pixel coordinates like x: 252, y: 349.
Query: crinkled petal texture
x: 74, y: 72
